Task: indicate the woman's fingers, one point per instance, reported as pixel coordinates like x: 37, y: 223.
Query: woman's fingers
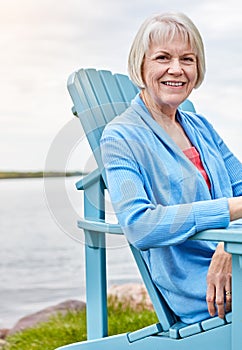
x: 228, y: 294
x: 220, y: 304
x: 211, y: 293
x: 219, y: 300
x: 219, y: 286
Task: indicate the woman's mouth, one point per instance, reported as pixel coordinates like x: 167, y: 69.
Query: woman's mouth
x: 173, y: 83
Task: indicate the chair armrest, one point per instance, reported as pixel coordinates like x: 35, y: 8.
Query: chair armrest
x: 99, y: 226
x: 89, y: 180
x: 232, y: 238
x: 232, y: 234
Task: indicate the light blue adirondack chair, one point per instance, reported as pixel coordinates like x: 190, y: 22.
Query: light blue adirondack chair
x: 99, y: 96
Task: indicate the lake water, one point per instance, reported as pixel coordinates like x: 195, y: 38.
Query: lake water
x: 42, y: 251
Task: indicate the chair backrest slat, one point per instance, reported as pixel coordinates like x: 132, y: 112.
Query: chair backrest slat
x: 102, y: 98
x: 86, y: 107
x: 114, y: 92
x: 128, y: 89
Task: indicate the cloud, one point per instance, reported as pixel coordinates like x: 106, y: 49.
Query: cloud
x: 42, y: 42
x: 220, y: 18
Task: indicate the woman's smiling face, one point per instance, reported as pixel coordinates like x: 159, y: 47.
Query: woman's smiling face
x: 169, y: 72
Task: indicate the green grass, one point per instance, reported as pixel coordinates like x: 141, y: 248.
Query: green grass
x: 61, y: 330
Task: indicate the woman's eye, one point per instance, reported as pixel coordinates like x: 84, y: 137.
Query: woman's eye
x: 162, y: 58
x: 188, y: 59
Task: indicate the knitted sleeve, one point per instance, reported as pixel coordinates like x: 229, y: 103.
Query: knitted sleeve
x: 145, y: 223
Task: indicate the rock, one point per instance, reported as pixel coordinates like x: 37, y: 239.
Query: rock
x: 3, y: 333
x: 44, y: 315
x: 131, y: 294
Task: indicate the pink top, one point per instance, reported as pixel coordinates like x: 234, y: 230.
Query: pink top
x: 193, y: 155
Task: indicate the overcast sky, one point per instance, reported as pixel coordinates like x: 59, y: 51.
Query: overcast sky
x: 43, y: 41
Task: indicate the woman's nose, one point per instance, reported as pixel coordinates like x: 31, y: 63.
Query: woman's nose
x: 175, y: 67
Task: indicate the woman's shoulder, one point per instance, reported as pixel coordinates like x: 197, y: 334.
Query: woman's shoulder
x: 126, y: 124
x: 121, y: 124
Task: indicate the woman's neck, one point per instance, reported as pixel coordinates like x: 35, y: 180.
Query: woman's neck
x: 166, y: 118
x: 161, y: 114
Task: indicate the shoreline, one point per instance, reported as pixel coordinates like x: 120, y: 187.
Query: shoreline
x: 37, y: 174
x: 133, y: 294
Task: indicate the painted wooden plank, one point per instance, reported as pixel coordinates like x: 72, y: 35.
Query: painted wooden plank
x: 144, y: 332
x: 212, y: 323
x: 187, y: 106
x: 236, y: 302
x: 103, y: 100
x: 127, y: 88
x: 228, y: 317
x: 114, y: 93
x: 84, y: 111
x: 165, y: 316
x: 75, y: 89
x: 91, y: 99
x: 191, y: 329
x: 231, y: 234
x: 174, y: 330
x: 95, y: 253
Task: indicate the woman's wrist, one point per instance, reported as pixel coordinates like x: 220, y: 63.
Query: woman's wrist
x: 235, y: 208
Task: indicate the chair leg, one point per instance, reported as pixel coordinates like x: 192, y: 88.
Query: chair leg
x: 237, y: 302
x: 96, y: 294
x: 95, y: 250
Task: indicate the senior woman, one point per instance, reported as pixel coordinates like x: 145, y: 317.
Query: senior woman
x: 170, y: 174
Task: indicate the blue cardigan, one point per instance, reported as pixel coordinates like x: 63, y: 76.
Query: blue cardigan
x: 161, y: 199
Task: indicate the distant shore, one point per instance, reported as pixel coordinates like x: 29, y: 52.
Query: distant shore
x: 36, y: 174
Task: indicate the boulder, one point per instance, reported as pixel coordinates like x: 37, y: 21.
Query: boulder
x: 131, y: 294
x: 44, y: 315
x: 3, y: 333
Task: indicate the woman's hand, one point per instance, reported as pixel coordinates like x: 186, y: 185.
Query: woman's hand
x: 219, y: 285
